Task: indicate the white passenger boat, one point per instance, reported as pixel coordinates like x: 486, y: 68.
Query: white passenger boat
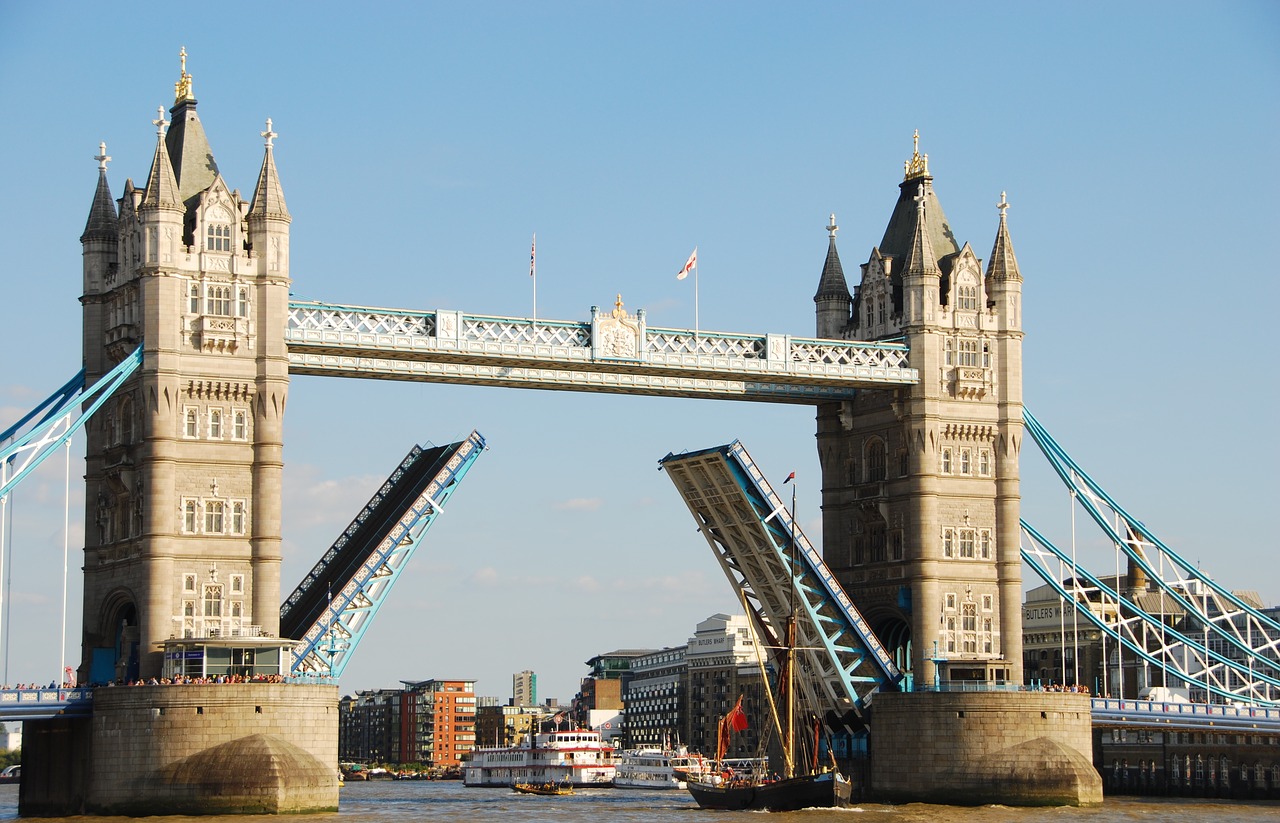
x: 574, y: 758
x: 656, y: 768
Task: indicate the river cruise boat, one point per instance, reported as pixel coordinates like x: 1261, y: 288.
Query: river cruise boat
x: 572, y: 758
x: 657, y: 768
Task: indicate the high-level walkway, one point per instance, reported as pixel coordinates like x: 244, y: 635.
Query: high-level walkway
x: 613, y: 352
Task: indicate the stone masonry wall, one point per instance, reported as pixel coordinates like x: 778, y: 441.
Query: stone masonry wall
x: 1014, y: 748
x: 224, y: 748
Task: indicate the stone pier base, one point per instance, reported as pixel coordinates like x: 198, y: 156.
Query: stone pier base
x: 211, y: 749
x: 974, y: 748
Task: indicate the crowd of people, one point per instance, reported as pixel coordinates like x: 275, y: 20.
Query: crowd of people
x: 188, y: 680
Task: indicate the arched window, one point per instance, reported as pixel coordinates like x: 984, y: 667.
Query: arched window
x: 966, y: 466
x: 967, y: 295
x: 215, y: 424
x: 240, y: 425
x: 237, y: 517
x: 984, y: 462
x: 214, y: 511
x: 870, y: 311
x: 984, y: 544
x: 946, y: 461
x: 242, y: 302
x: 219, y: 301
x: 966, y: 543
x: 126, y: 421
x: 192, y: 427
x: 218, y: 237
x: 880, y: 310
x: 189, y: 517
x: 213, y: 601
x: 949, y: 348
x: 193, y: 299
x: 948, y: 542
x: 875, y: 460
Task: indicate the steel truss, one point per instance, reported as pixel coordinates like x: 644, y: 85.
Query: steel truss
x: 61, y: 415
x: 1226, y: 645
x: 615, y: 353
x: 326, y: 646
x: 771, y: 565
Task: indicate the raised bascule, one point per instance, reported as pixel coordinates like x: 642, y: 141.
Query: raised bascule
x: 909, y: 616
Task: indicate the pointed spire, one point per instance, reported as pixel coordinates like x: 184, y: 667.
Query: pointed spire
x: 162, y: 186
x: 268, y: 196
x: 1003, y: 265
x: 919, y: 258
x: 832, y: 283
x: 189, y: 151
x: 102, y: 223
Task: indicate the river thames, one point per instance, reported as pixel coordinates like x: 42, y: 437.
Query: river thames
x: 388, y: 801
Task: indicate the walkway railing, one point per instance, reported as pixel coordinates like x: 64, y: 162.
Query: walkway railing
x: 1115, y: 712
x: 35, y: 704
x: 613, y: 352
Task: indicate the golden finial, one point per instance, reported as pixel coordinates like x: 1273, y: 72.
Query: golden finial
x: 918, y: 165
x: 617, y: 308
x: 182, y: 88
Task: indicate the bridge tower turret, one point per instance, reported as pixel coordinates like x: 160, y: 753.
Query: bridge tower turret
x: 920, y: 484
x: 182, y: 511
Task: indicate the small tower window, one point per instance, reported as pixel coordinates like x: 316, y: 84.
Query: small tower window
x: 875, y: 461
x: 880, y: 310
x: 219, y: 301
x: 192, y: 426
x: 189, y: 524
x: 949, y: 349
x: 946, y: 461
x: 193, y: 300
x: 870, y: 312
x: 214, y: 510
x: 948, y: 543
x: 242, y: 302
x: 984, y: 462
x: 237, y: 524
x: 219, y: 237
x: 965, y: 461
x: 984, y: 544
x: 215, y: 424
x: 240, y: 425
x: 237, y: 584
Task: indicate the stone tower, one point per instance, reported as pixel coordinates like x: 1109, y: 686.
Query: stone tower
x: 920, y: 484
x: 182, y: 504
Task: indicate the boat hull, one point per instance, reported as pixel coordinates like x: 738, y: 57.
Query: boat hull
x: 826, y: 790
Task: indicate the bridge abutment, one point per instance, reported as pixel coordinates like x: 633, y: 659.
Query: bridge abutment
x: 976, y: 748
x: 232, y: 748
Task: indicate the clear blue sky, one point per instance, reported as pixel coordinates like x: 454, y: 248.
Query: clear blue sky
x: 422, y: 144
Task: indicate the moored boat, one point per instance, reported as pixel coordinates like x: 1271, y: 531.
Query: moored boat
x: 658, y: 768
x: 575, y: 758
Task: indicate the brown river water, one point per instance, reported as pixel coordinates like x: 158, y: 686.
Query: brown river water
x: 388, y: 801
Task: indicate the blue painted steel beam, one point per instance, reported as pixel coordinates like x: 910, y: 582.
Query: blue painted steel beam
x: 752, y: 535
x: 62, y: 420
x: 327, y: 644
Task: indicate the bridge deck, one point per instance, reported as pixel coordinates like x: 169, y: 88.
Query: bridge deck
x: 614, y: 352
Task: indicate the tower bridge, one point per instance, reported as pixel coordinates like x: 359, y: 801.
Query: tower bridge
x: 915, y: 373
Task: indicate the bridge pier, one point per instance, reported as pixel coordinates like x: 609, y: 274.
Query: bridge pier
x: 230, y: 748
x: 976, y: 748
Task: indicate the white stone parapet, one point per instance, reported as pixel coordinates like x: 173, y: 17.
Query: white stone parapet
x: 613, y: 352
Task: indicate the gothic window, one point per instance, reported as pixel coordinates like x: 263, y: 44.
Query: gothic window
x: 218, y: 301
x: 951, y: 600
x: 188, y: 608
x: 875, y: 461
x: 235, y: 608
x: 949, y: 349
x: 218, y: 237
x: 968, y: 353
x: 948, y: 542
x: 126, y: 421
x: 987, y: 637
x: 192, y: 426
x: 870, y: 312
x: 897, y: 545
x: 903, y: 466
x: 189, y: 520
x: 986, y: 354
x: 951, y: 634
x: 966, y: 466
x: 214, y: 510
x: 242, y: 302
x: 968, y: 295
x: 946, y: 461
x: 240, y: 425
x: 966, y: 543
x: 877, y: 545
x: 969, y: 625
x: 215, y: 424
x: 987, y: 602
x: 188, y: 582
x: 193, y: 299
x: 984, y: 462
x: 237, y: 524
x: 237, y: 584
x: 880, y: 310
x: 213, y: 601
x: 984, y: 544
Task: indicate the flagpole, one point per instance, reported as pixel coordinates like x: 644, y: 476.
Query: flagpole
x: 695, y: 297
x: 533, y: 272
